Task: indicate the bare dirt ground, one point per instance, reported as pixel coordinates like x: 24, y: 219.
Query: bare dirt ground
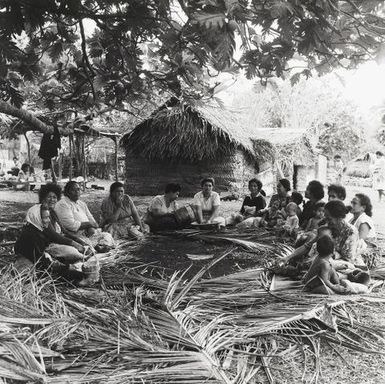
x: 340, y: 366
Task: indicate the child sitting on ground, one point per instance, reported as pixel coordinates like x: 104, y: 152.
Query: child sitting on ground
x: 272, y: 215
x: 291, y: 225
x: 322, y: 277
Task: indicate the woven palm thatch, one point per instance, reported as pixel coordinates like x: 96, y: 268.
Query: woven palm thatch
x: 195, y: 132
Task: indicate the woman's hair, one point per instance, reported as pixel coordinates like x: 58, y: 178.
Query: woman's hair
x: 207, y: 180
x: 320, y: 204
x: 68, y: 187
x: 336, y: 209
x: 296, y: 197
x: 256, y: 181
x: 365, y: 200
x: 115, y: 186
x: 338, y: 189
x: 25, y: 167
x: 285, y: 184
x: 379, y: 153
x: 316, y: 189
x: 46, y: 189
x: 172, y: 187
x: 325, y: 245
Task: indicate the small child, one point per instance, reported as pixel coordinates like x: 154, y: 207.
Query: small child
x: 312, y: 226
x: 291, y: 224
x: 321, y: 274
x: 319, y: 215
x: 271, y: 215
x: 297, y: 198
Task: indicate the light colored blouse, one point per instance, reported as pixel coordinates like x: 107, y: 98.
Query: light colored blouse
x: 72, y: 214
x: 364, y: 219
x: 109, y: 207
x: 158, y: 203
x: 207, y: 204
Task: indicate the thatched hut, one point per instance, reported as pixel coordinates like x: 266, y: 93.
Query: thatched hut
x: 183, y: 142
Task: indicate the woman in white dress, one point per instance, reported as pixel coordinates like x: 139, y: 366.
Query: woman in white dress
x: 207, y: 203
x: 362, y: 220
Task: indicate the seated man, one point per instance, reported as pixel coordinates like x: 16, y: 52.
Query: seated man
x: 75, y: 217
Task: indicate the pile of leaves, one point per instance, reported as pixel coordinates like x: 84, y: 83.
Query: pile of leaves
x: 140, y: 326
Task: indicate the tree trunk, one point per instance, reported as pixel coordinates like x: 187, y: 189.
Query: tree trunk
x: 70, y: 139
x: 116, y: 160
x: 28, y: 148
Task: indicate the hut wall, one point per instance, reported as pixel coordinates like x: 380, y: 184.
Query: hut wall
x: 149, y: 178
x: 302, y: 176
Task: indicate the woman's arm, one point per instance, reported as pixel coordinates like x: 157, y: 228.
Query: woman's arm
x: 363, y: 231
x: 349, y: 248
x: 73, y: 237
x: 57, y: 238
x: 113, y: 217
x: 136, y: 217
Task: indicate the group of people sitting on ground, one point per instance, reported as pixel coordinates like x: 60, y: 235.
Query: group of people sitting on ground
x: 63, y: 230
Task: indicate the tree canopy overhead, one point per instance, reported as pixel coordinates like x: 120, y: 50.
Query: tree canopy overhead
x: 141, y: 48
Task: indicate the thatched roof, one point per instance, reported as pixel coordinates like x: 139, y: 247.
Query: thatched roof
x: 207, y: 130
x: 195, y: 131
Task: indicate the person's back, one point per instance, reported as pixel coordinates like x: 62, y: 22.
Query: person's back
x: 321, y: 271
x: 315, y: 269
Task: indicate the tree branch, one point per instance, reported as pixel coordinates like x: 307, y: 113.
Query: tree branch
x: 27, y: 117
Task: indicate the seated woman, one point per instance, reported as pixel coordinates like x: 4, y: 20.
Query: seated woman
x: 282, y: 195
x: 161, y: 212
x: 362, y: 220
x: 207, y: 203
x: 119, y: 215
x: 315, y: 193
x: 252, y: 204
x: 34, y: 240
x: 75, y: 217
x: 68, y: 245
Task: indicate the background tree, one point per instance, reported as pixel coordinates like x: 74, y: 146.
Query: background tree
x: 148, y: 47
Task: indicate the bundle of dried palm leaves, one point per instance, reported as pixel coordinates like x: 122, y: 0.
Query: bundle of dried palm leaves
x: 146, y: 329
